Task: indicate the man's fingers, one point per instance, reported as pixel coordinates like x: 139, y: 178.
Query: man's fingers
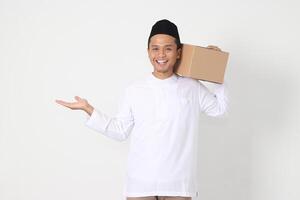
x: 77, y: 98
x: 67, y: 104
x: 79, y: 104
x: 59, y: 101
x: 213, y: 47
x: 62, y: 102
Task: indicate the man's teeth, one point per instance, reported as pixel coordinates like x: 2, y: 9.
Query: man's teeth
x: 161, y: 61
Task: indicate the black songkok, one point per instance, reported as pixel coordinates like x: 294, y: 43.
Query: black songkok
x: 164, y: 27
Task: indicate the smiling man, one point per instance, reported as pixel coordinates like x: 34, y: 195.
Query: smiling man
x: 161, y: 114
x: 164, y: 48
x: 163, y: 54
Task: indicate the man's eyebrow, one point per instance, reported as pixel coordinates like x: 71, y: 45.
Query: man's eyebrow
x: 157, y: 45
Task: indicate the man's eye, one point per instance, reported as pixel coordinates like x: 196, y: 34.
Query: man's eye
x: 154, y: 49
x: 169, y: 49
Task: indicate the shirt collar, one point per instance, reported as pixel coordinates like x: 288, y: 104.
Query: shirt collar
x: 172, y: 79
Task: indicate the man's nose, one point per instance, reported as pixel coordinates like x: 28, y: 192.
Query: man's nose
x: 161, y: 53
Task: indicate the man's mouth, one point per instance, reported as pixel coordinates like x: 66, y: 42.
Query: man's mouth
x: 161, y: 62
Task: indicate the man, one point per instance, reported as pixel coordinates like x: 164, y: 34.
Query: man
x: 161, y: 113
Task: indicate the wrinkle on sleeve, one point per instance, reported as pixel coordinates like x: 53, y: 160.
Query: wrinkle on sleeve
x: 213, y: 103
x: 116, y: 127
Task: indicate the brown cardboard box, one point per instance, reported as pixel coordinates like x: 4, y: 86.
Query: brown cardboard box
x: 202, y: 63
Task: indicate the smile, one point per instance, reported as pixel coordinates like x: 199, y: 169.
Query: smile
x: 161, y: 61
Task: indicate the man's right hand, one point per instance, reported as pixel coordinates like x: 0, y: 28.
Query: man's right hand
x: 80, y: 104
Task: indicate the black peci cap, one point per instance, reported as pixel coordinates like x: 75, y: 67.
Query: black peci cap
x: 164, y: 27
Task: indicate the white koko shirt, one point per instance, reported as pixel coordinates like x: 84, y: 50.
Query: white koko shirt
x: 161, y: 116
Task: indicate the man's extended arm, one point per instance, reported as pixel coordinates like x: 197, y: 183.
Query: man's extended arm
x: 117, y: 127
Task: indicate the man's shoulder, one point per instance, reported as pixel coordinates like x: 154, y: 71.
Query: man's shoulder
x: 188, y: 81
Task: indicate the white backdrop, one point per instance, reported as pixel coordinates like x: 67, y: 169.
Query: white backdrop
x: 61, y: 48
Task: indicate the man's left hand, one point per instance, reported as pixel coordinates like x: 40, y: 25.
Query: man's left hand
x: 213, y: 47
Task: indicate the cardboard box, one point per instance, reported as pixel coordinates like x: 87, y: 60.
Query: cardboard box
x: 202, y: 63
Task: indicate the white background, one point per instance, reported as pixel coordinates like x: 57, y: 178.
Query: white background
x: 61, y: 48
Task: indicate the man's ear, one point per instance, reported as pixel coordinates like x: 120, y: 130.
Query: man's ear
x: 179, y: 53
x: 148, y: 52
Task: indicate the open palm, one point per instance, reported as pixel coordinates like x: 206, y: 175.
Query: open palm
x: 80, y: 103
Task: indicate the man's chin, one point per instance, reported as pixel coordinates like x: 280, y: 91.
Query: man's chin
x: 162, y: 69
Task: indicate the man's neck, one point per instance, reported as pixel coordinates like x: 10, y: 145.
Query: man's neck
x: 162, y: 75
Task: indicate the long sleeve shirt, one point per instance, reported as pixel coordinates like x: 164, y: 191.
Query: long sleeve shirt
x: 161, y: 116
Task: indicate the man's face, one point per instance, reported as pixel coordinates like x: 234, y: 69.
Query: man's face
x: 163, y: 53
